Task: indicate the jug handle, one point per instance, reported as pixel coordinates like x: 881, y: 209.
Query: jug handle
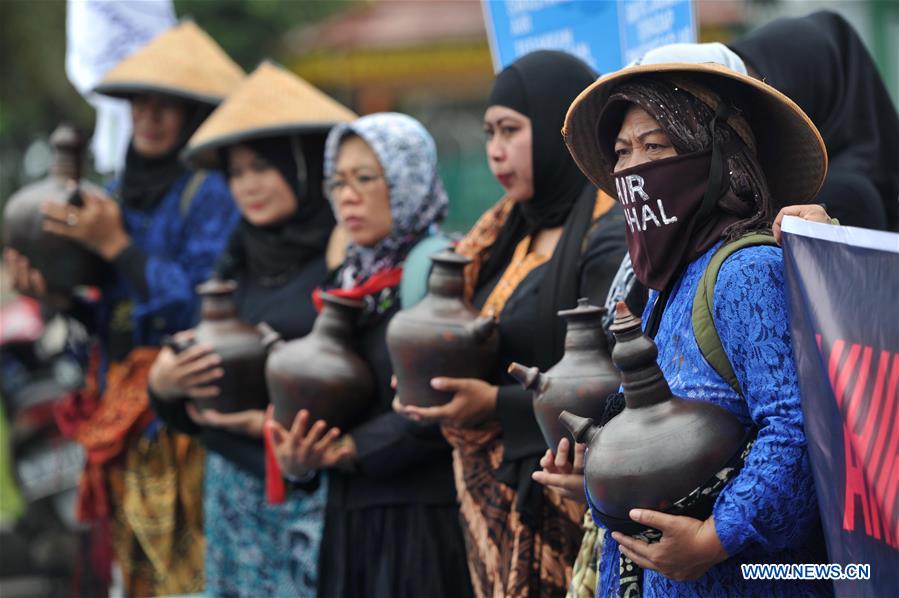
x: 75, y: 198
x: 582, y: 428
x: 271, y: 340
x: 483, y: 327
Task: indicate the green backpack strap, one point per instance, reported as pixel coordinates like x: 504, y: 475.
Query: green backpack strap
x: 417, y: 268
x: 190, y: 191
x: 703, y: 323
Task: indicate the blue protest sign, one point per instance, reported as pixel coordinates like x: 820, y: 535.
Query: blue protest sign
x: 607, y: 34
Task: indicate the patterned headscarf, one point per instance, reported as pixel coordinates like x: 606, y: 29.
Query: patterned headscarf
x: 418, y: 201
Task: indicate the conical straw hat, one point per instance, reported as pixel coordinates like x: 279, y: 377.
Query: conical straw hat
x: 183, y: 61
x: 790, y: 148
x: 270, y: 102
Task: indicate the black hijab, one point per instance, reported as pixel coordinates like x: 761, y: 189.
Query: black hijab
x: 541, y: 85
x: 820, y: 62
x: 145, y: 181
x: 269, y: 252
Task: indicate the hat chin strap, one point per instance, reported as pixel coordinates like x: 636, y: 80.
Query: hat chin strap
x: 719, y: 178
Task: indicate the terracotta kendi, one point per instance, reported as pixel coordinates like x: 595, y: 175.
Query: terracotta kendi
x: 64, y: 264
x: 580, y: 382
x: 660, y: 447
x: 320, y: 372
x: 237, y: 343
x: 442, y: 335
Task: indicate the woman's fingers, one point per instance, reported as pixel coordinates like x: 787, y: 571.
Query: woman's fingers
x: 195, y: 414
x: 565, y: 484
x: 315, y: 434
x: 187, y: 336
x: 277, y: 433
x: 58, y: 212
x: 204, y: 377
x: 193, y: 353
x: 439, y: 413
x: 21, y: 274
x: 60, y: 229
x: 546, y: 461
x: 338, y: 455
x: 304, y: 451
x: 298, y: 428
x: 207, y: 362
x: 202, y: 392
x: 37, y: 283
x: 562, y: 455
x: 580, y: 450
x: 322, y: 445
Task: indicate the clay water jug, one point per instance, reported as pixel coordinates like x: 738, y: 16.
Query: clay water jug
x: 660, y: 447
x: 64, y: 264
x: 442, y: 335
x: 580, y: 382
x: 320, y: 372
x: 237, y: 343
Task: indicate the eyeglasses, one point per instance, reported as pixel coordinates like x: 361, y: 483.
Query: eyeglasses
x: 361, y: 183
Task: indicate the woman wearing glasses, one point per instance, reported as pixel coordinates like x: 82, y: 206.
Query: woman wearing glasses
x: 392, y: 523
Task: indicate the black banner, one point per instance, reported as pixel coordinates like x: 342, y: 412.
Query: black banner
x: 844, y: 317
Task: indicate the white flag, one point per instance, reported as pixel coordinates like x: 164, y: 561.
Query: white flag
x: 100, y: 33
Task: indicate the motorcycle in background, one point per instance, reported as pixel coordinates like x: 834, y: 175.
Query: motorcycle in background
x: 43, y: 547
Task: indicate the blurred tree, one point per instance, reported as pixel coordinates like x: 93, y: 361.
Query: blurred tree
x: 35, y: 94
x: 34, y: 91
x: 251, y: 30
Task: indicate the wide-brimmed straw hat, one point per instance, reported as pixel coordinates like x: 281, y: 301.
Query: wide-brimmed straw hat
x: 182, y: 61
x: 271, y: 102
x: 790, y: 149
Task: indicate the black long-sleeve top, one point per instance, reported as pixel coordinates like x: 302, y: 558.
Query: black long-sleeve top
x: 605, y: 246
x: 400, y: 462
x: 285, y: 304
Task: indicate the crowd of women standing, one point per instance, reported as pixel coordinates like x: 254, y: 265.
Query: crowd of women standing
x: 292, y: 195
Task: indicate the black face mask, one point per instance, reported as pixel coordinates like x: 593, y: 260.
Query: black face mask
x: 661, y: 200
x: 671, y: 208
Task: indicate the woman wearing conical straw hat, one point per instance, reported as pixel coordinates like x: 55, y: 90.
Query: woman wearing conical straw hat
x: 161, y: 231
x: 269, y: 137
x: 710, y: 154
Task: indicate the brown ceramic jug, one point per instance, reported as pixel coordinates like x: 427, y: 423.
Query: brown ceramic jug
x: 237, y: 343
x: 442, y: 335
x: 320, y: 372
x: 660, y: 447
x: 64, y: 264
x: 580, y: 382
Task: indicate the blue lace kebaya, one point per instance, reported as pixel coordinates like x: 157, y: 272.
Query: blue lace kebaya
x: 768, y: 513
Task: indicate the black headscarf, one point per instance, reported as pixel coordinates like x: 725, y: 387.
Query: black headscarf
x: 541, y: 85
x: 820, y: 62
x: 271, y: 251
x: 145, y: 181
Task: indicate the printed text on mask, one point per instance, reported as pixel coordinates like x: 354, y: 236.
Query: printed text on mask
x: 629, y: 188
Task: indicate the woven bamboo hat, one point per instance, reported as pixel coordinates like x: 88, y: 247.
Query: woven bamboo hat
x: 270, y: 102
x: 790, y: 149
x: 182, y: 61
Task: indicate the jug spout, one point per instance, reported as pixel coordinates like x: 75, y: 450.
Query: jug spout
x: 271, y: 340
x: 581, y: 428
x: 530, y: 378
x: 482, y: 328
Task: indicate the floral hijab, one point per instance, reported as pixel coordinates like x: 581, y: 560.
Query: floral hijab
x: 418, y: 201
